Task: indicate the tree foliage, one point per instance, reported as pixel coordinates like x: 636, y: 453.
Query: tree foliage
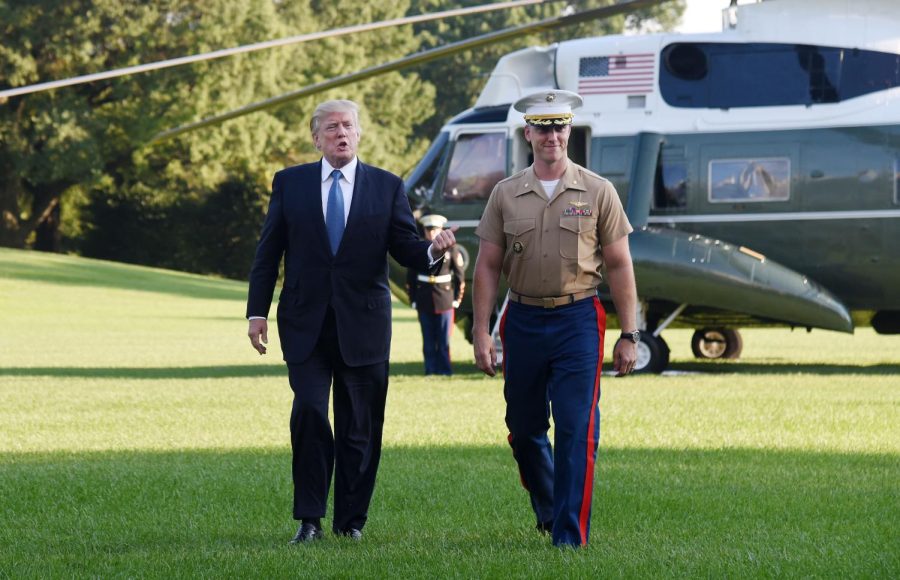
x: 78, y: 170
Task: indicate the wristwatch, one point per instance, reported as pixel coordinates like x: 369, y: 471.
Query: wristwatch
x: 634, y: 336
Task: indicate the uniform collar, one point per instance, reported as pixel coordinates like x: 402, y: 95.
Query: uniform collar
x: 571, y: 179
x: 347, y: 171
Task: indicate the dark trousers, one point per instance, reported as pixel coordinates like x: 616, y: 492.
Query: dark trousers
x: 551, y: 362
x: 436, y: 329
x: 352, y: 452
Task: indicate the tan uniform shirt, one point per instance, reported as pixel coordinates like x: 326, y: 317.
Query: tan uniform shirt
x: 552, y: 247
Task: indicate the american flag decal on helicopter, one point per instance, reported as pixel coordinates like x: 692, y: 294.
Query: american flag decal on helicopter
x: 616, y: 75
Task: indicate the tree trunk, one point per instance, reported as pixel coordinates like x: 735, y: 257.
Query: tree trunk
x: 9, y: 208
x: 47, y: 235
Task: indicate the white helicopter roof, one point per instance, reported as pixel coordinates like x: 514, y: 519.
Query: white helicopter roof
x: 629, y: 99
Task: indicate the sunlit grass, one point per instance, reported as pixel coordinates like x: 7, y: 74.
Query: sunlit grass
x: 141, y: 436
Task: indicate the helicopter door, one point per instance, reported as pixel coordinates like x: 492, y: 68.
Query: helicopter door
x: 671, y: 184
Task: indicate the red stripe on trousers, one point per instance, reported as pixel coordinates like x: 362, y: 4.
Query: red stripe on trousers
x: 591, y: 442
x: 450, y: 333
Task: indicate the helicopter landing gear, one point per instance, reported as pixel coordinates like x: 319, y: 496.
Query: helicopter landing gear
x: 652, y: 354
x: 716, y: 343
x: 652, y: 350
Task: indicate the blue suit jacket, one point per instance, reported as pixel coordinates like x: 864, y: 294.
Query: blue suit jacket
x: 354, y: 282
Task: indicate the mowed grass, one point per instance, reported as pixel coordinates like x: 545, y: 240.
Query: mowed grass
x: 141, y: 436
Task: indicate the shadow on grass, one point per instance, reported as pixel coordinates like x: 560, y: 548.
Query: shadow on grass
x: 203, y: 372
x: 466, y: 370
x: 726, y: 513
x: 750, y: 368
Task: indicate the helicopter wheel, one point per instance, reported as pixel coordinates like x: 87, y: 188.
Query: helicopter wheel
x: 652, y: 355
x: 714, y: 343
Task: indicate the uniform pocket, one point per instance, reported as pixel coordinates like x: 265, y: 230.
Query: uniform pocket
x: 519, y: 238
x: 577, y: 236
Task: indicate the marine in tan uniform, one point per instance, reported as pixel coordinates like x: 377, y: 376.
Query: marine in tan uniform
x: 550, y: 229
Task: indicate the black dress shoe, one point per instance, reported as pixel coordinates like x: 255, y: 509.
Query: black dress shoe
x: 307, y: 533
x: 352, y: 533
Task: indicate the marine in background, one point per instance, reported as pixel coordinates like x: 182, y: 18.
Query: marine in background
x: 435, y: 297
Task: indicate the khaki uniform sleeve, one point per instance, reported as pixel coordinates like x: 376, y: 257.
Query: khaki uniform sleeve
x: 490, y: 228
x: 613, y: 223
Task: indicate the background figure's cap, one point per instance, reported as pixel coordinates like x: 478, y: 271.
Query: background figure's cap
x: 549, y: 107
x: 432, y: 221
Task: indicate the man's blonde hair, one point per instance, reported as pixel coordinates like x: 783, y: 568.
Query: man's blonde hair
x: 335, y: 106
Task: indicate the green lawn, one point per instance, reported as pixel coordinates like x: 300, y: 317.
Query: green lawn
x: 141, y: 436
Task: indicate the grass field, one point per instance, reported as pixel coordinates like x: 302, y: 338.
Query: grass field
x: 141, y: 436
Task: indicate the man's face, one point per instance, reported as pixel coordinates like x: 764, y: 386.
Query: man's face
x: 337, y: 138
x: 549, y: 142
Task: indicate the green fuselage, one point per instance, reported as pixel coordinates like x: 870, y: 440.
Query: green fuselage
x: 840, y: 224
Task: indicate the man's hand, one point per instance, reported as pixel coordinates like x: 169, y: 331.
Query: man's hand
x: 485, y: 356
x: 443, y: 241
x: 259, y: 329
x: 624, y: 357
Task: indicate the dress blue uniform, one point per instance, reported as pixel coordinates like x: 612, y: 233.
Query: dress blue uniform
x: 435, y: 296
x: 551, y: 234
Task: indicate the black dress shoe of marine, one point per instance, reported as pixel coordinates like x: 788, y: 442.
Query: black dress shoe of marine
x: 352, y: 533
x: 545, y: 527
x: 307, y: 533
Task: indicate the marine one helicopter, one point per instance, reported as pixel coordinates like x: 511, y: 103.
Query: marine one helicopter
x: 760, y: 166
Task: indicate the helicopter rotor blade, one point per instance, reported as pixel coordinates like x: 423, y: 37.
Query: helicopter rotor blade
x: 415, y: 59
x: 291, y: 40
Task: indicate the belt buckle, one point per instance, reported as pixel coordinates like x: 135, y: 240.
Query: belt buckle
x: 431, y: 279
x: 549, y: 302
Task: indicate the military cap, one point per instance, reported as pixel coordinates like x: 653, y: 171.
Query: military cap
x: 549, y: 107
x: 432, y: 221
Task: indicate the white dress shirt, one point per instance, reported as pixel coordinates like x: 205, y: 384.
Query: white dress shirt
x: 348, y: 176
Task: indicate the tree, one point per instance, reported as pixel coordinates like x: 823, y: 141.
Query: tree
x: 93, y: 140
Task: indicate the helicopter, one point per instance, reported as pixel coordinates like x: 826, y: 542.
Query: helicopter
x: 759, y: 166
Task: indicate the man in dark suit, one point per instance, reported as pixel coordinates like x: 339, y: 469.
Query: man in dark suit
x: 335, y: 221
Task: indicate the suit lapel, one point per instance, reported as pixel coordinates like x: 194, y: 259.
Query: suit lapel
x: 314, y: 203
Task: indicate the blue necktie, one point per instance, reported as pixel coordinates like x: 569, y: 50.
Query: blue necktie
x: 334, y: 216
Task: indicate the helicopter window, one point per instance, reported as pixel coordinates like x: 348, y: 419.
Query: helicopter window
x: 865, y: 71
x: 425, y: 176
x: 728, y: 75
x: 670, y: 189
x: 685, y: 61
x: 749, y: 179
x: 478, y: 163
